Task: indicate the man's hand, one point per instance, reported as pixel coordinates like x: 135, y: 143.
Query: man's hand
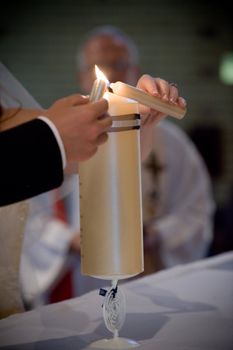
x: 82, y: 125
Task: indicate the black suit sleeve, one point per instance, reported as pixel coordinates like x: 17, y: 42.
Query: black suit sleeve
x: 30, y: 161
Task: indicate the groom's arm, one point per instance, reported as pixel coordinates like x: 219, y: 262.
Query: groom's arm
x: 31, y: 162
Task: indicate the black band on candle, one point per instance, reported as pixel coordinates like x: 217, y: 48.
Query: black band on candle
x: 125, y: 123
x: 126, y: 117
x: 124, y: 129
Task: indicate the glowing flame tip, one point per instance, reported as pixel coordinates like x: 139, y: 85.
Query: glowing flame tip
x: 100, y: 74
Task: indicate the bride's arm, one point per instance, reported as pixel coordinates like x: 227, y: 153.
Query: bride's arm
x: 12, y: 117
x: 166, y: 92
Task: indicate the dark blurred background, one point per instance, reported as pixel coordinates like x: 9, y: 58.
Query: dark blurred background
x: 190, y: 43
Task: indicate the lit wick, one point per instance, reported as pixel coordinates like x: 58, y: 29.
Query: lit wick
x: 99, y: 86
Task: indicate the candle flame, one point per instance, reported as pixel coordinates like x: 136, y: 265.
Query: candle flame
x: 100, y: 75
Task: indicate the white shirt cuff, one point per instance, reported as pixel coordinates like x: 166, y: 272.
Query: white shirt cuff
x: 58, y: 138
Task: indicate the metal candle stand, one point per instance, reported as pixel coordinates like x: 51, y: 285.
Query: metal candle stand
x: 114, y: 312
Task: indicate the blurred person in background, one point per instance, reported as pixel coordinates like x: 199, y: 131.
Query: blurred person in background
x: 177, y: 198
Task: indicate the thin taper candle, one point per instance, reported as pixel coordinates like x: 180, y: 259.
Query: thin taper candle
x: 97, y: 91
x: 144, y: 98
x: 99, y: 86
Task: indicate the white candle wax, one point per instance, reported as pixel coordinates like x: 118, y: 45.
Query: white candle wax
x: 119, y: 105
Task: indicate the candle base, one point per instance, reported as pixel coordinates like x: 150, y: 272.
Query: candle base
x: 114, y: 316
x: 115, y: 343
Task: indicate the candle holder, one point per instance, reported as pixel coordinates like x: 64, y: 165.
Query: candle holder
x: 114, y: 311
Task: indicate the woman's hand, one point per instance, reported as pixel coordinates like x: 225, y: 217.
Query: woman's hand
x: 158, y: 87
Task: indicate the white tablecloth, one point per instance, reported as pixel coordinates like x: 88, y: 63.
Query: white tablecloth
x: 185, y: 308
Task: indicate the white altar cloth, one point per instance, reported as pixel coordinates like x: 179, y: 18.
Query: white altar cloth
x: 184, y: 308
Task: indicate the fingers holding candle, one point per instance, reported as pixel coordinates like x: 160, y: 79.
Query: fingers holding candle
x: 102, y: 138
x: 173, y: 93
x: 160, y: 87
x: 149, y: 99
x: 163, y: 88
x: 168, y: 93
x: 182, y: 102
x: 154, y: 86
x: 167, y: 100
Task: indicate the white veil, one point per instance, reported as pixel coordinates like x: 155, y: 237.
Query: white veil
x: 12, y: 92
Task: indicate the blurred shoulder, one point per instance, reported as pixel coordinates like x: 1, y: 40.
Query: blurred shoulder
x: 170, y: 130
x: 173, y: 139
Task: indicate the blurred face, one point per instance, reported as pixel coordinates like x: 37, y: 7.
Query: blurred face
x: 112, y: 57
